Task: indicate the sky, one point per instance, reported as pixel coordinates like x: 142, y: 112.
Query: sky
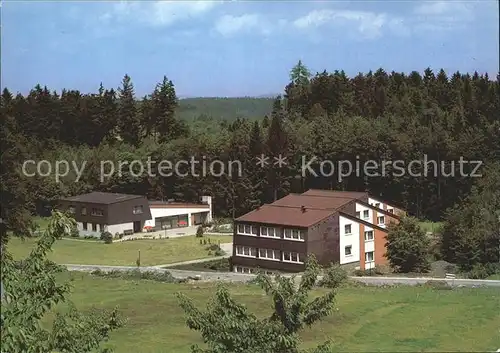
x: 237, y: 48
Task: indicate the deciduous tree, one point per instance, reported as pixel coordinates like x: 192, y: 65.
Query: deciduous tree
x: 228, y: 326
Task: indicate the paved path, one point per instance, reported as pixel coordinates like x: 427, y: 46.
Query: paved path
x: 192, y: 261
x: 170, y: 233
x: 239, y: 277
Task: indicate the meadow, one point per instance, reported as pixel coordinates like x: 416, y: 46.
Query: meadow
x: 366, y: 319
x: 92, y: 252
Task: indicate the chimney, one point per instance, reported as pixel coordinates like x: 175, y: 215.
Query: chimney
x: 303, y: 209
x: 208, y: 200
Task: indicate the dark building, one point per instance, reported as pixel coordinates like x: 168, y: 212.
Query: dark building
x: 343, y: 227
x: 107, y: 212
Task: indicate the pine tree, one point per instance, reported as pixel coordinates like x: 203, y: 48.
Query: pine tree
x: 300, y: 74
x: 164, y: 105
x: 129, y: 127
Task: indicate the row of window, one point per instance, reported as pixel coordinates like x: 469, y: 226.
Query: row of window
x: 269, y: 254
x: 369, y: 256
x: 83, y: 211
x: 348, y: 227
x: 100, y: 212
x: 366, y: 215
x: 271, y: 232
x: 243, y: 269
x: 94, y: 227
x: 368, y: 233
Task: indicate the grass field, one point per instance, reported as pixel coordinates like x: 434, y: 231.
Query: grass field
x: 369, y: 319
x: 153, y: 252
x: 430, y: 226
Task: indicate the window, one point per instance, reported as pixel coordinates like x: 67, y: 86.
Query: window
x: 291, y: 257
x: 358, y: 214
x: 246, y: 251
x: 390, y: 210
x: 84, y: 226
x: 241, y: 269
x: 269, y: 254
x: 97, y: 212
x: 347, y: 229
x: 369, y: 235
x: 84, y: 211
x: 269, y: 232
x: 366, y: 214
x: 94, y: 227
x: 247, y: 229
x: 381, y: 220
x: 293, y: 234
x: 101, y: 227
x: 138, y: 209
x: 369, y: 256
x: 72, y: 209
x: 348, y: 250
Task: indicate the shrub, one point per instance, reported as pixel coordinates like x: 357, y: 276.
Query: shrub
x: 382, y: 269
x: 107, y: 237
x: 219, y: 252
x: 165, y: 276
x: 334, y: 276
x: 480, y: 271
x: 438, y: 285
x: 213, y: 247
x: 75, y: 233
x: 199, y: 232
x: 365, y: 273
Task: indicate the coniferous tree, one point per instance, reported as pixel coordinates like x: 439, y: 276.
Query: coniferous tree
x: 128, y: 123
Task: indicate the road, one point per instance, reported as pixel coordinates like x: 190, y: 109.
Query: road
x: 239, y: 277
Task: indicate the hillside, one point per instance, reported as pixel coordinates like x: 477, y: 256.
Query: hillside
x: 224, y: 108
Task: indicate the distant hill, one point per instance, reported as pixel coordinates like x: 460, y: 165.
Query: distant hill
x: 225, y: 108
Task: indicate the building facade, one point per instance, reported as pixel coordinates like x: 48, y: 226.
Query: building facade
x: 344, y: 227
x: 119, y: 214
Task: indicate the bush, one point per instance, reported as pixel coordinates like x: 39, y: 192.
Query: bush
x: 480, y: 271
x: 213, y: 247
x: 334, y: 276
x: 219, y: 252
x: 107, y: 237
x: 438, y: 285
x: 75, y: 233
x: 199, y: 232
x: 165, y: 277
x: 365, y: 273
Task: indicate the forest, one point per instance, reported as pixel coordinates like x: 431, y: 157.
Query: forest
x: 372, y: 116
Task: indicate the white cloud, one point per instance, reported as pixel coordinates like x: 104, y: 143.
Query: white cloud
x: 369, y: 24
x: 438, y: 8
x: 439, y: 16
x: 229, y: 25
x: 158, y: 13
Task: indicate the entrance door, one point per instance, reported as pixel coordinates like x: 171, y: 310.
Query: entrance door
x: 137, y: 226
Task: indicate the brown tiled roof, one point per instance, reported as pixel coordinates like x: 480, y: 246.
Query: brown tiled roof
x: 291, y: 216
x: 104, y: 198
x: 334, y: 194
x: 298, y: 200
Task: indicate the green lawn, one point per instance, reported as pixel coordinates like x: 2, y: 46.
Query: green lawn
x: 369, y: 319
x: 153, y: 252
x: 430, y: 226
x: 42, y: 222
